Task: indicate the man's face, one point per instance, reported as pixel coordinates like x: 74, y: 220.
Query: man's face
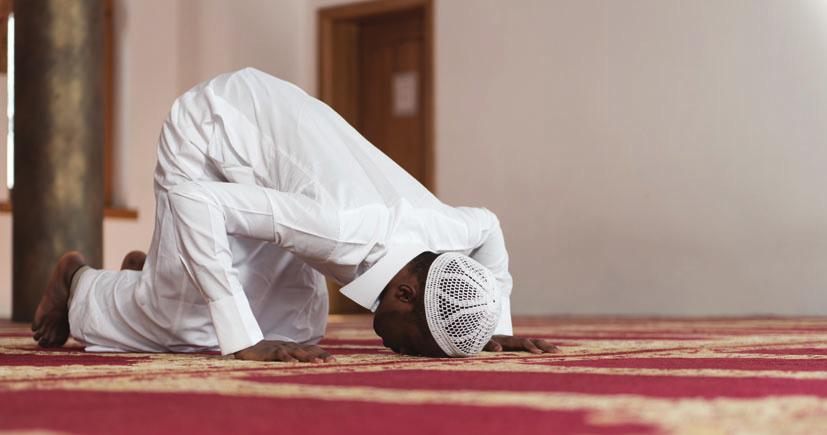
x: 404, y: 337
x: 397, y: 322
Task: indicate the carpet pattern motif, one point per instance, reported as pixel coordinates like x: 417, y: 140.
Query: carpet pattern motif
x: 686, y: 376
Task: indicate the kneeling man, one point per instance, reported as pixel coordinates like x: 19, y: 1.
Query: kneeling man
x: 261, y: 191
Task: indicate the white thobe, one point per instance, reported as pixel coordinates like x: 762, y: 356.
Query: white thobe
x: 261, y: 190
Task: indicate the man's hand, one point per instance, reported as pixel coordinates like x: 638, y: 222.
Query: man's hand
x: 273, y: 350
x: 501, y: 343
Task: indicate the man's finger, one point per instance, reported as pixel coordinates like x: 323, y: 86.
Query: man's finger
x: 493, y: 346
x: 529, y: 346
x: 314, y: 350
x: 302, y: 355
x: 315, y: 353
x: 323, y: 354
x: 283, y: 355
x: 546, y: 346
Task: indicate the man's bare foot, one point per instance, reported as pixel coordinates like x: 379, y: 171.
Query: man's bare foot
x: 51, y: 320
x: 133, y: 261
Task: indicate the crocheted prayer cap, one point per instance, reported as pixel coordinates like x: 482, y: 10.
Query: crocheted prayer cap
x: 462, y: 304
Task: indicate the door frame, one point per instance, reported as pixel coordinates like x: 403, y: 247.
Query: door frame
x: 338, y: 67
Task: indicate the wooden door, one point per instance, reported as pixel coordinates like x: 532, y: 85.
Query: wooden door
x: 390, y: 90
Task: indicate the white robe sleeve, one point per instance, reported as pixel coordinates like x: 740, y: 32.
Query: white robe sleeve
x: 493, y: 255
x: 206, y: 213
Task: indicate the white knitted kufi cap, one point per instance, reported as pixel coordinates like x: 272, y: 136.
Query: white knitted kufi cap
x: 462, y: 304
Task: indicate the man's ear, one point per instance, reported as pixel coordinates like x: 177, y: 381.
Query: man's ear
x: 405, y: 293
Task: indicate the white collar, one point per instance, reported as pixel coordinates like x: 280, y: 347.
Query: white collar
x: 365, y: 289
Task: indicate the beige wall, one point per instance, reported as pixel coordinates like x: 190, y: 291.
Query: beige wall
x: 644, y: 156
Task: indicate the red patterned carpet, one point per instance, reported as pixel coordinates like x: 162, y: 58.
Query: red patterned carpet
x: 703, y: 376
